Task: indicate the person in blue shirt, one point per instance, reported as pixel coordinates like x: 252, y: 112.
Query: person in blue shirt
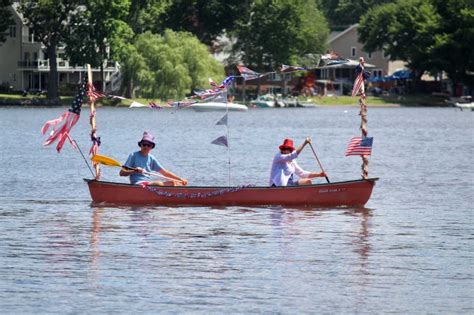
x: 143, y: 163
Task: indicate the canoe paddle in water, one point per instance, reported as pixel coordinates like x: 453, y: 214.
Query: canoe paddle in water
x: 108, y: 161
x: 322, y: 169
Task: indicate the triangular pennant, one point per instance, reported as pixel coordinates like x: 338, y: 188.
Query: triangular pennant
x: 222, y: 121
x: 222, y: 140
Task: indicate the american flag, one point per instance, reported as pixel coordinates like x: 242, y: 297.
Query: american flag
x: 208, y: 95
x: 93, y: 94
x: 358, y: 85
x: 286, y: 68
x: 248, y: 74
x: 155, y: 105
x: 63, y: 125
x: 360, y: 146
x: 359, y: 81
x: 224, y: 84
x: 182, y: 104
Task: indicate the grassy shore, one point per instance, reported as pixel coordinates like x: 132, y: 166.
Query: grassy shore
x: 393, y: 100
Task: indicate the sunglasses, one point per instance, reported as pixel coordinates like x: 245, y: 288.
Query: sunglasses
x: 146, y: 145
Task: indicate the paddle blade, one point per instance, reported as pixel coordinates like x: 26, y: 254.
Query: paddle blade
x: 102, y: 159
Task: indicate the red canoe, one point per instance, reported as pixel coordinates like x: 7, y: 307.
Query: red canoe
x: 348, y: 193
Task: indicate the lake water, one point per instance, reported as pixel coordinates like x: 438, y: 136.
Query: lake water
x: 410, y: 250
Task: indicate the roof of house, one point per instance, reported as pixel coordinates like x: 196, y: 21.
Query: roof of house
x: 336, y: 35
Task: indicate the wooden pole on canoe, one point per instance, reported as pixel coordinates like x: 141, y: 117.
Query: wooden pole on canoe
x: 93, y: 123
x: 363, y: 125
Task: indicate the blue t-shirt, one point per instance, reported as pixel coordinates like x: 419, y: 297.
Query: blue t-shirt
x: 148, y: 163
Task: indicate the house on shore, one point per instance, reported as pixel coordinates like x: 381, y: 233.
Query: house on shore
x: 335, y: 78
x: 24, y: 64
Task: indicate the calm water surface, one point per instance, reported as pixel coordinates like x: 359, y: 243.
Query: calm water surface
x: 409, y: 251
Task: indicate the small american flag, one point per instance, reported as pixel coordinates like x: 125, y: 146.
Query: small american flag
x: 360, y: 146
x: 93, y: 94
x: 287, y: 68
x: 248, y: 74
x: 358, y: 85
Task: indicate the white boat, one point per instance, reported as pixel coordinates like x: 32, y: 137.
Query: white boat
x: 465, y: 106
x: 263, y: 101
x: 218, y: 106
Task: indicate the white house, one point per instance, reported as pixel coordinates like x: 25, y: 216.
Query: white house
x: 24, y: 64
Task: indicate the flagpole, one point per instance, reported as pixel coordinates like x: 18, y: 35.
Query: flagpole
x: 92, y: 120
x: 227, y: 131
x: 363, y: 122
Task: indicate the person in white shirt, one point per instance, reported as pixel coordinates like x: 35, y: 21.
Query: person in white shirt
x: 285, y: 167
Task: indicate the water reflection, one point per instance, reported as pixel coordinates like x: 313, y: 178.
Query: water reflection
x: 95, y: 233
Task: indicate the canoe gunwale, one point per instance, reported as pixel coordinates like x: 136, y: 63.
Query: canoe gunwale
x: 373, y: 180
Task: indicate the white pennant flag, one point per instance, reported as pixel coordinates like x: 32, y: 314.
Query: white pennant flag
x: 222, y: 140
x: 222, y: 121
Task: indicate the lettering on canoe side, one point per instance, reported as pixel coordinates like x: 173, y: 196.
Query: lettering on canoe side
x: 332, y: 190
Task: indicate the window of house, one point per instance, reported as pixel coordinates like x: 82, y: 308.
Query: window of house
x: 27, y: 56
x: 13, y: 31
x: 35, y: 56
x: 353, y: 51
x: 369, y: 55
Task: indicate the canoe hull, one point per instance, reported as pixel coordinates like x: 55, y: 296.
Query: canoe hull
x: 348, y: 193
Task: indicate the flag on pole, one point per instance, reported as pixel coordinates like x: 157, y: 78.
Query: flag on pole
x: 222, y: 121
x: 286, y: 68
x: 224, y: 84
x: 360, y: 146
x: 361, y: 75
x: 222, y: 140
x: 62, y: 126
x: 248, y: 74
x: 93, y: 94
x: 358, y: 85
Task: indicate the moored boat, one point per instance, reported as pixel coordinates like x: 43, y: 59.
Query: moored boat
x: 263, y: 101
x: 217, y: 106
x: 465, y: 106
x: 346, y: 193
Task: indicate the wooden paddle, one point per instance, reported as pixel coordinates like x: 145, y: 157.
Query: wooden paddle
x: 314, y: 152
x: 108, y: 161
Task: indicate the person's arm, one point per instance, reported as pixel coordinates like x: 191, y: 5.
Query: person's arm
x: 301, y: 172
x: 300, y: 148
x: 126, y: 172
x: 173, y: 176
x: 313, y: 175
x: 129, y: 163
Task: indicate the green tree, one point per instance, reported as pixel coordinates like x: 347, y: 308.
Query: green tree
x: 49, y: 19
x: 343, y: 13
x: 93, y: 30
x: 171, y: 65
x: 206, y: 19
x: 146, y: 15
x: 280, y: 32
x: 452, y: 51
x: 405, y: 30
x: 5, y: 19
x: 430, y: 35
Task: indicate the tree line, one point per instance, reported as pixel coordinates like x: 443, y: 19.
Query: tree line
x: 163, y: 46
